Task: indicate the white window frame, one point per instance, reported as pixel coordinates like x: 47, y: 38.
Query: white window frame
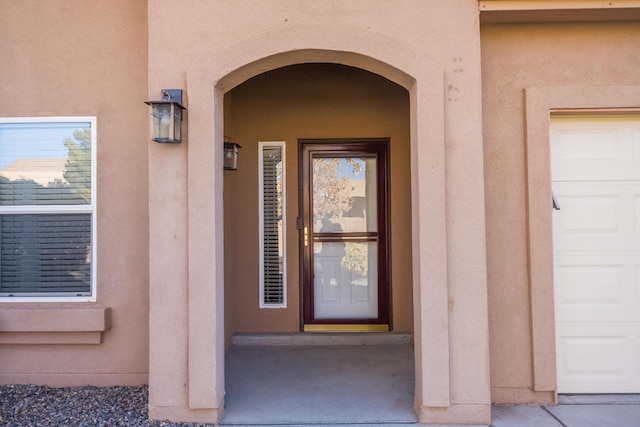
x: 261, y: 146
x: 61, y: 209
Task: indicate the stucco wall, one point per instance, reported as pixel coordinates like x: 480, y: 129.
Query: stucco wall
x: 431, y: 48
x: 78, y: 58
x: 72, y: 57
x: 586, y: 57
x: 309, y: 101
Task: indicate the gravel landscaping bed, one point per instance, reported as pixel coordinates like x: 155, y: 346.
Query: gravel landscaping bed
x: 30, y: 405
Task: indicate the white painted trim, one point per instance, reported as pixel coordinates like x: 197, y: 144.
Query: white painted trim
x: 49, y: 119
x: 44, y: 209
x: 92, y: 208
x: 282, y: 145
x: 511, y: 5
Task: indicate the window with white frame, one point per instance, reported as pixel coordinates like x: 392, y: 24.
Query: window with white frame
x: 272, y: 208
x: 47, y: 208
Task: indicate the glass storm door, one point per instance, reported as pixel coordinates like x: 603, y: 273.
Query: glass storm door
x: 344, y: 235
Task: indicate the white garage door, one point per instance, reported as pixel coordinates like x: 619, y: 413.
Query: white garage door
x: 596, y: 179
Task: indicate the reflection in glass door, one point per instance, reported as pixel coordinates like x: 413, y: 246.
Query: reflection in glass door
x: 344, y: 233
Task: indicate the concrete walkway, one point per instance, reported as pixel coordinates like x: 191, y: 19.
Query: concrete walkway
x: 302, y: 382
x: 573, y: 411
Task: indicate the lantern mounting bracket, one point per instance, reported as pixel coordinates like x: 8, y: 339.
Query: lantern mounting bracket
x: 172, y: 95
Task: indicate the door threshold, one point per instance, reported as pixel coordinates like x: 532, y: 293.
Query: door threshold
x: 324, y: 338
x: 599, y: 399
x: 346, y: 328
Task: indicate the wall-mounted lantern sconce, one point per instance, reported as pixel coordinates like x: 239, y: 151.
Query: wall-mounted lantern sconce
x: 167, y: 116
x: 231, y: 156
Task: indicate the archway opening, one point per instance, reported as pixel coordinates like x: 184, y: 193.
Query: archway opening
x: 324, y: 101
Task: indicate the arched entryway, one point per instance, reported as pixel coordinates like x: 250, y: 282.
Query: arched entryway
x: 358, y: 123
x: 342, y: 107
x: 192, y: 197
x: 427, y: 187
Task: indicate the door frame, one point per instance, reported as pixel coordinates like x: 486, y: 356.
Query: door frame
x: 354, y: 147
x: 539, y: 103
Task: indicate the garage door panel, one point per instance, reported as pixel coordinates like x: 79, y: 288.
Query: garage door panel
x: 636, y: 148
x: 636, y: 214
x: 591, y: 284
x: 598, y: 149
x: 597, y: 287
x: 636, y: 285
x: 596, y: 235
x: 599, y: 359
x: 576, y: 148
x: 597, y: 215
x: 603, y: 214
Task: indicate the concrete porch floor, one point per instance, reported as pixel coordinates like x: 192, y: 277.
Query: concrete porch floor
x: 294, y: 379
x: 367, y: 380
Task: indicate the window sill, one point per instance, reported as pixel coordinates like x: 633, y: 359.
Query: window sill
x: 54, y: 325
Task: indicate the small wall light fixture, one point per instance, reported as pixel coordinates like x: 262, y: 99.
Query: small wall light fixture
x: 231, y: 156
x: 167, y: 116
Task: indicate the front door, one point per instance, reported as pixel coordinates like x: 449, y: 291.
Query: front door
x: 344, y: 235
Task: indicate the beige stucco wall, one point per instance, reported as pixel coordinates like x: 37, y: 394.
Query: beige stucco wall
x: 78, y: 58
x: 432, y: 50
x: 308, y: 101
x: 583, y: 65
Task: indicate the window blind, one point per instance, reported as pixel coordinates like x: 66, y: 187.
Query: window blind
x: 45, y: 254
x: 272, y: 219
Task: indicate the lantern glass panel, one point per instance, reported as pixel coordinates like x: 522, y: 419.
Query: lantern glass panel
x: 230, y: 156
x: 177, y: 118
x: 161, y: 121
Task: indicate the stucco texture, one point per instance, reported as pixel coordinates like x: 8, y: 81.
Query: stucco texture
x: 428, y: 48
x: 175, y: 231
x: 78, y: 58
x: 161, y: 213
x: 584, y: 56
